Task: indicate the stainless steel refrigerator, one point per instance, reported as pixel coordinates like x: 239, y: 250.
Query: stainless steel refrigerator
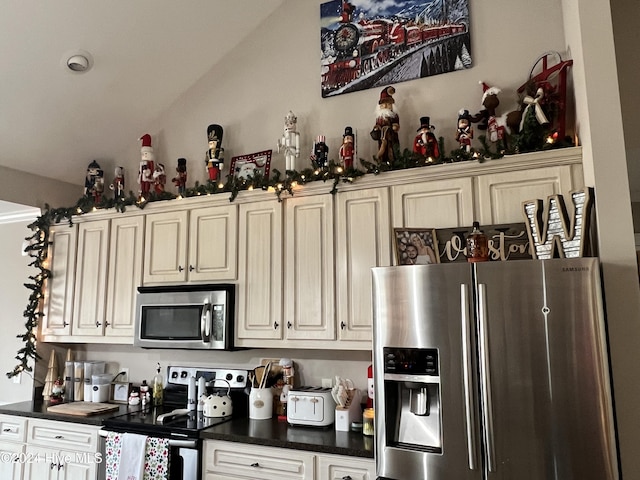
x: 496, y: 370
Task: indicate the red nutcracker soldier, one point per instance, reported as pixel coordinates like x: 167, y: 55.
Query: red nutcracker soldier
x: 180, y: 180
x: 347, y: 150
x: 385, y: 131
x: 94, y: 182
x: 464, y: 133
x: 320, y: 152
x: 425, y: 143
x: 118, y: 183
x: 215, y: 155
x: 145, y: 173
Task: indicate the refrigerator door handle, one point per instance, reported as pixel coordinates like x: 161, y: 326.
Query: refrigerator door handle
x: 467, y: 370
x: 485, y: 377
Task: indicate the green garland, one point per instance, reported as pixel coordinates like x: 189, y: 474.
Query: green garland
x: 39, y: 242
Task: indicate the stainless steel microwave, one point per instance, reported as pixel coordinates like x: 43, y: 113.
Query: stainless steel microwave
x: 185, y: 317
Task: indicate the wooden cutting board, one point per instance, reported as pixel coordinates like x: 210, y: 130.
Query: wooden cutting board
x: 83, y: 409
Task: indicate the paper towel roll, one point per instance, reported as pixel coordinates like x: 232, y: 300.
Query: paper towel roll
x: 191, y: 394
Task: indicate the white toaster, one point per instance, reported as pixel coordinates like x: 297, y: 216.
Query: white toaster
x: 312, y: 406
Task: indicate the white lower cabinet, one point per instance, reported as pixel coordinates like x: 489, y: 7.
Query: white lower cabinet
x: 11, y: 464
x: 61, y: 451
x: 339, y: 467
x: 229, y: 460
x: 235, y: 460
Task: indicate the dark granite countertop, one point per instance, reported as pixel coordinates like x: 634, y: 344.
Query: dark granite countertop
x: 277, y: 433
x: 39, y: 410
x: 271, y: 432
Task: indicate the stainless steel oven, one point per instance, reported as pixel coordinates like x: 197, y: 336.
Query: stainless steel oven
x: 185, y: 317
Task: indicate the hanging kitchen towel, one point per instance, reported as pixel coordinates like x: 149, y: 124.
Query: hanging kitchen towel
x: 113, y: 445
x: 157, y: 459
x: 132, y: 457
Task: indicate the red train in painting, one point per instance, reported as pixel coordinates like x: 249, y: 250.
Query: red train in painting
x: 363, y: 46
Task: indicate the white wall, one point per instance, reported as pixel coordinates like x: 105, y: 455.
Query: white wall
x: 28, y: 189
x: 13, y: 298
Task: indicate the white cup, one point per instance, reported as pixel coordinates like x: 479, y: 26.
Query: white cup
x: 260, y: 403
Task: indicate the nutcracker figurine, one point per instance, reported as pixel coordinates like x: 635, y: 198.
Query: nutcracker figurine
x: 465, y: 130
x: 290, y: 141
x: 347, y: 150
x: 425, y: 143
x: 118, y: 183
x: 94, y: 182
x: 320, y: 152
x: 180, y: 180
x: 215, y: 155
x: 385, y: 131
x: 159, y: 178
x: 145, y: 173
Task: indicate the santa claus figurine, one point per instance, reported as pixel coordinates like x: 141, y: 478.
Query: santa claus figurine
x: 215, y: 155
x: 347, y: 149
x: 145, y: 173
x: 425, y: 143
x: 385, y: 131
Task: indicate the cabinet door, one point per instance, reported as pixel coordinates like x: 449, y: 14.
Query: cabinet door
x: 337, y: 467
x: 62, y: 263
x: 124, y: 275
x: 165, y: 247
x: 91, y: 278
x: 437, y: 204
x: 500, y: 195
x: 12, y: 460
x: 309, y: 267
x: 363, y: 239
x: 212, y: 243
x: 42, y: 463
x: 260, y: 273
x: 77, y: 466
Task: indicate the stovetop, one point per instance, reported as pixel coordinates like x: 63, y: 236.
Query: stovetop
x: 145, y: 421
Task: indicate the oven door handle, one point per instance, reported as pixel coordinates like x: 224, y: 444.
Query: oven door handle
x: 172, y: 443
x: 205, y: 323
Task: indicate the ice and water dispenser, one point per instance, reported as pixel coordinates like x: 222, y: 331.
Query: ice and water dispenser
x: 412, y: 399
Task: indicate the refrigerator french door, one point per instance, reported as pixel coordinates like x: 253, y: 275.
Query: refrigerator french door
x: 497, y: 370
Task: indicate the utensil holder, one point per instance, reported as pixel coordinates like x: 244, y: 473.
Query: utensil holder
x: 260, y: 403
x: 351, y: 412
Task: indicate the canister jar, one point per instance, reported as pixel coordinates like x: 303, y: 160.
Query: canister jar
x: 368, y: 418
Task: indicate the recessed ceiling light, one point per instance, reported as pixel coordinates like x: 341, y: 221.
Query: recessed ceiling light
x: 78, y: 61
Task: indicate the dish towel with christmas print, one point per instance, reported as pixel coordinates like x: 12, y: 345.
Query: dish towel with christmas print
x: 156, y: 458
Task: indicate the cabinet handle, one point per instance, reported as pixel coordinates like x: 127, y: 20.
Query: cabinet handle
x: 107, y: 324
x: 289, y: 325
x: 180, y: 269
x: 52, y: 465
x: 275, y: 325
x: 346, y: 477
x: 60, y: 466
x: 64, y: 323
x: 255, y: 464
x: 343, y: 325
x: 6, y: 429
x: 98, y: 323
x: 191, y: 268
x: 58, y: 437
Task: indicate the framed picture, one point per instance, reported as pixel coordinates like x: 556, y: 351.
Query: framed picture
x: 373, y: 44
x: 120, y: 392
x: 415, y: 246
x: 244, y: 166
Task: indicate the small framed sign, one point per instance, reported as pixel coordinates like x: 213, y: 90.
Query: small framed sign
x: 120, y: 392
x: 244, y: 166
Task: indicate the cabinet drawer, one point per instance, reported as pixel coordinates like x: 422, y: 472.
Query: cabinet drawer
x: 336, y: 467
x: 12, y: 429
x: 62, y: 435
x: 265, y: 463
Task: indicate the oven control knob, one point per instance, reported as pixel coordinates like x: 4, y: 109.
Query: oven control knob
x: 174, y: 374
x: 240, y: 379
x: 183, y: 374
x: 229, y: 377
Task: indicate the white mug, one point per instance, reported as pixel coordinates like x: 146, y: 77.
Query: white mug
x: 260, y: 403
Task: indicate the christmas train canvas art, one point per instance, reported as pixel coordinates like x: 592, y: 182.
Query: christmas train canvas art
x: 367, y: 44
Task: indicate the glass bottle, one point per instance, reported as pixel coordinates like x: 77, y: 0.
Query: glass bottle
x: 158, y: 388
x: 477, y: 245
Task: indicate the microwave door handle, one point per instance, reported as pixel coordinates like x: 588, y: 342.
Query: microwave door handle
x: 205, y: 323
